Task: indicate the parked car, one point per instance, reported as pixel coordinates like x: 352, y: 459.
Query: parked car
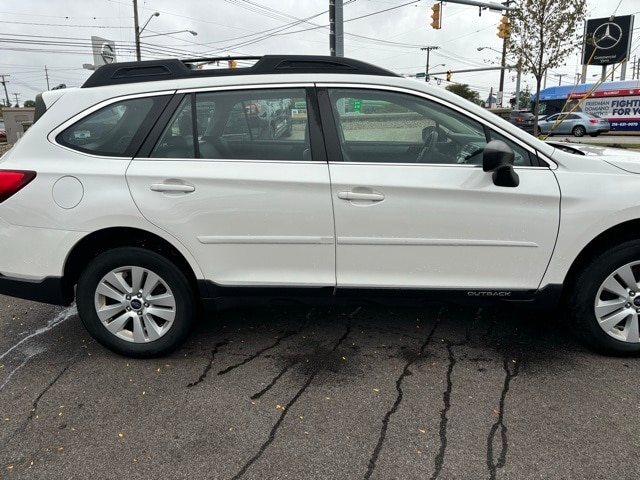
x: 575, y: 123
x: 3, y: 132
x: 523, y: 119
x: 266, y: 119
x: 135, y: 195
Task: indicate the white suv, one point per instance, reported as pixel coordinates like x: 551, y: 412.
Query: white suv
x: 147, y: 194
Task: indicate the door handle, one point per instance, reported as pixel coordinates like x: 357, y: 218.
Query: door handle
x: 373, y: 197
x: 172, y: 187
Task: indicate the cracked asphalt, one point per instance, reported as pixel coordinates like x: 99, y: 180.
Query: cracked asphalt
x: 318, y: 393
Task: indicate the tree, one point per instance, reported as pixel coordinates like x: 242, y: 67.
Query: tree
x: 525, y: 98
x: 29, y: 103
x: 463, y: 90
x: 543, y: 35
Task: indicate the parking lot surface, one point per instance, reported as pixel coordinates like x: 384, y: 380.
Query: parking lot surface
x: 318, y: 393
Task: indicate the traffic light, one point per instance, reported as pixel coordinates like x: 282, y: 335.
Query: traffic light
x: 233, y: 64
x: 448, y: 75
x: 504, y: 29
x: 435, y: 16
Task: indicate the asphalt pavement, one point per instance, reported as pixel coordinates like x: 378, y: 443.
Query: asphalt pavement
x: 318, y: 393
x: 609, y: 139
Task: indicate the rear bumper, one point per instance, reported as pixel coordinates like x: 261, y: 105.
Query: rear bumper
x: 48, y: 290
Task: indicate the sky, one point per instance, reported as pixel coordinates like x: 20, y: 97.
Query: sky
x: 55, y: 34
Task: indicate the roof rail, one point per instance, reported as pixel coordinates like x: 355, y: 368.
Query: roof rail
x: 173, y: 68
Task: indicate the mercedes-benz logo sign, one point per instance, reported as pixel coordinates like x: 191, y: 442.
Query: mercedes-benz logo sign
x: 107, y: 53
x: 607, y: 36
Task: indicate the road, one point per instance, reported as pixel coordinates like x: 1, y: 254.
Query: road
x: 604, y: 139
x: 304, y: 393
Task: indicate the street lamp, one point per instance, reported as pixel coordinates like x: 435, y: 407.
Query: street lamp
x: 138, y: 30
x: 170, y: 33
x: 433, y: 66
x: 503, y: 60
x: 489, y: 48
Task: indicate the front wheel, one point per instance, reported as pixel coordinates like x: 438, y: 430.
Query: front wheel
x: 135, y: 302
x: 605, y: 300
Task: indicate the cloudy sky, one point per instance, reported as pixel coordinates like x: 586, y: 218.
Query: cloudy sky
x: 56, y: 34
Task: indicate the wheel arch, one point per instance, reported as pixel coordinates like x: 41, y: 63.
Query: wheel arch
x: 109, y: 238
x: 623, y: 232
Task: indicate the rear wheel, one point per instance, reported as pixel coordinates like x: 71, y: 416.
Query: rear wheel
x: 605, y: 300
x: 135, y: 302
x: 579, y: 131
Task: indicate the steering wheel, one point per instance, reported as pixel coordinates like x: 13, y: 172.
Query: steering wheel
x: 430, y: 140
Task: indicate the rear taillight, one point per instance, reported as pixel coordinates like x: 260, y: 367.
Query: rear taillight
x: 593, y: 120
x: 13, y: 180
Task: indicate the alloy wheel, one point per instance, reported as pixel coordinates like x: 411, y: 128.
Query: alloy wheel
x: 135, y: 304
x: 617, y: 304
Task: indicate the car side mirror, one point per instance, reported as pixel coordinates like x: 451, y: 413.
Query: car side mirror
x: 497, y: 157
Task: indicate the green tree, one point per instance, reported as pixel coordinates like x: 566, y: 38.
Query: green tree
x: 525, y: 98
x: 463, y: 90
x: 543, y: 36
x: 29, y: 103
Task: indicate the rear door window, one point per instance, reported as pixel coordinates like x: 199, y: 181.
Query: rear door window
x: 268, y: 124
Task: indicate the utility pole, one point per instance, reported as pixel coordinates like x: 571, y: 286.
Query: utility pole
x: 136, y: 27
x: 336, y: 35
x: 518, y: 79
x: 16, y: 95
x: 428, y: 49
x: 560, y: 75
x: 503, y: 61
x: 4, y: 84
x: 46, y: 74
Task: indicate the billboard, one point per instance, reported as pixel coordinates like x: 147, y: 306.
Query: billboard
x: 104, y: 51
x: 607, y: 40
x: 621, y: 106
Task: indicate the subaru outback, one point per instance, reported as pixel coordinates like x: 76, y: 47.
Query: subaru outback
x: 151, y: 191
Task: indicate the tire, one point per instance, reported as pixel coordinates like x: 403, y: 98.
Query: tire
x: 605, y: 301
x: 579, y: 131
x: 135, y: 302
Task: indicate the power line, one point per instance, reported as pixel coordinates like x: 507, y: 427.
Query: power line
x: 61, y: 25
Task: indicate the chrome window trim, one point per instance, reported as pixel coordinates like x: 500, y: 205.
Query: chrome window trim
x: 550, y: 164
